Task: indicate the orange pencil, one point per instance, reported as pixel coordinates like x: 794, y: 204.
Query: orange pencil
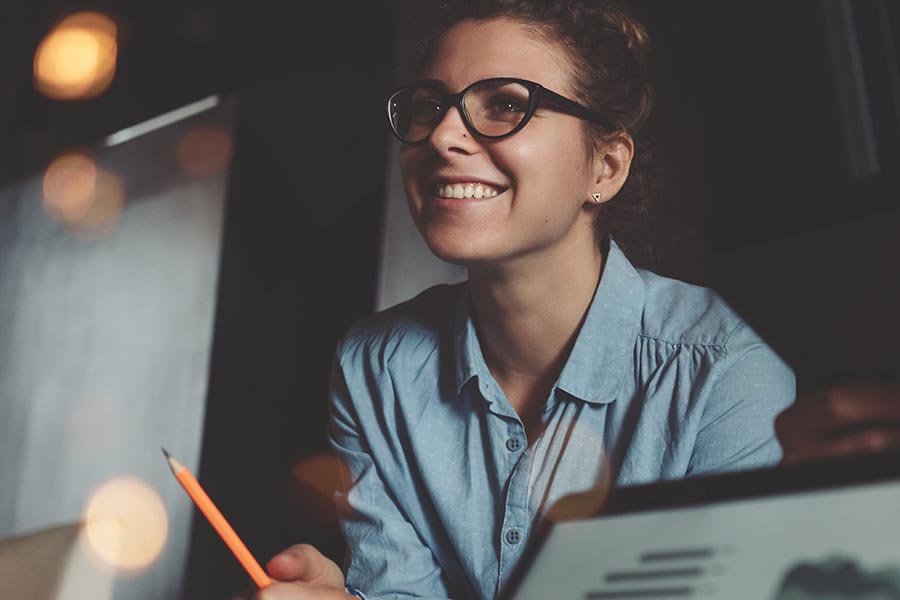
x: 215, y: 518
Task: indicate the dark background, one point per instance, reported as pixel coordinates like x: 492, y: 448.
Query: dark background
x: 761, y: 200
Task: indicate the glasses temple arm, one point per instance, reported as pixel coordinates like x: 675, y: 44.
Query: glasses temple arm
x: 575, y: 108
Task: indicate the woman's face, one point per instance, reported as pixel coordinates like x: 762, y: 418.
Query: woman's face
x: 544, y: 173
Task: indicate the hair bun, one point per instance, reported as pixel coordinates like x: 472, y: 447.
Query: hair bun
x: 618, y: 16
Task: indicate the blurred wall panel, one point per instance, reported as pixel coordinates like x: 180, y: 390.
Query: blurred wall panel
x: 105, y: 335
x: 406, y: 265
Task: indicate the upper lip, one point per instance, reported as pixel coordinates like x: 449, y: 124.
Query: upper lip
x: 453, y: 179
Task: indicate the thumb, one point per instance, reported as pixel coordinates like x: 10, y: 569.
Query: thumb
x: 304, y: 563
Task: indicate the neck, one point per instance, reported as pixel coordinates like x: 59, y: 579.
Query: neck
x: 529, y: 311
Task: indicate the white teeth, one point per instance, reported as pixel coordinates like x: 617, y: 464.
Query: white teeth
x: 465, y: 190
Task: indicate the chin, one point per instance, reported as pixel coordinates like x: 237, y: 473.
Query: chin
x: 462, y: 250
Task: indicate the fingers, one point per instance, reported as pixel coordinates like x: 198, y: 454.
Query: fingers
x: 298, y: 590
x: 290, y: 565
x: 839, y: 421
x: 870, y: 402
x: 870, y: 440
x: 833, y: 410
x: 304, y: 563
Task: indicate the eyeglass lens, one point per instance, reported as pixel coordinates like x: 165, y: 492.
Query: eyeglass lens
x: 492, y: 108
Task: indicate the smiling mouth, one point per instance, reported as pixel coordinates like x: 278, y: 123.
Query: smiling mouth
x: 466, y: 190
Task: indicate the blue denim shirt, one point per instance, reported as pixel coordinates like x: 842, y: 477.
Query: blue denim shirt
x: 664, y: 380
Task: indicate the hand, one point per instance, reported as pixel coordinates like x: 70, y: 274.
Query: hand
x: 302, y: 573
x: 839, y: 421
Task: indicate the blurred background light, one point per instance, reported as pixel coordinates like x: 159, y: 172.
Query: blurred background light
x: 77, y: 59
x: 126, y: 524
x: 205, y: 151
x: 68, y: 186
x: 314, y: 480
x: 105, y: 209
x: 82, y: 195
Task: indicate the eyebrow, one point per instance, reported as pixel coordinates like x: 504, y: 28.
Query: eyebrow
x: 433, y: 82
x: 443, y: 86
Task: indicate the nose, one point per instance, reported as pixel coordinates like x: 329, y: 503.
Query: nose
x: 451, y: 134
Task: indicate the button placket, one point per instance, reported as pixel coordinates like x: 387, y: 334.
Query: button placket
x: 516, y: 516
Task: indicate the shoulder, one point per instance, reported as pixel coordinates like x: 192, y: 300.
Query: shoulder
x: 676, y: 312
x: 694, y: 327
x: 415, y: 326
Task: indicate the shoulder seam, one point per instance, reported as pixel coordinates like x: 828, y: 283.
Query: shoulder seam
x: 719, y: 346
x: 734, y: 329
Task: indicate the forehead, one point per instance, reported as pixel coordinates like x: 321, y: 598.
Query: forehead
x: 475, y: 50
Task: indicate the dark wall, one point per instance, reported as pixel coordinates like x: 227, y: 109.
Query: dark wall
x: 805, y: 177
x: 299, y: 259
x: 778, y: 138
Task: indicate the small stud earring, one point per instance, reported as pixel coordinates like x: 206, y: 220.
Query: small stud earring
x: 596, y: 198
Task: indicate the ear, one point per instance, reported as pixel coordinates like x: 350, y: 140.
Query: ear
x: 612, y: 163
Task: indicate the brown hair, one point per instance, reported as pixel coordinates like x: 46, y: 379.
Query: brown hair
x: 609, y: 50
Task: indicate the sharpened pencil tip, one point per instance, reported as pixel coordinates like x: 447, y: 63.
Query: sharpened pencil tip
x: 174, y: 464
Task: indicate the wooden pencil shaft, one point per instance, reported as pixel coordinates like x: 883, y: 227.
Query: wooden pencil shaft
x: 217, y: 520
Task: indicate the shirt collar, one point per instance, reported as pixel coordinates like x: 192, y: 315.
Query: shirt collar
x: 603, y: 349
x: 469, y: 360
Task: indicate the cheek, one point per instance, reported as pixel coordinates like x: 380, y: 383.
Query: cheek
x: 555, y: 166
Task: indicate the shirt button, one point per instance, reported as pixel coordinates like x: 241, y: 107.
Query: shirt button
x: 513, y: 536
x: 514, y: 444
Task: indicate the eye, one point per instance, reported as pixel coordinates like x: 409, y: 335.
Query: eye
x: 504, y: 104
x: 427, y: 105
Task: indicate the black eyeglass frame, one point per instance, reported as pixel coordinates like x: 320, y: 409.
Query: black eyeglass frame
x: 536, y: 93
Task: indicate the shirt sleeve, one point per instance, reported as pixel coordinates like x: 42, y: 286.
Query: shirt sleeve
x: 386, y: 556
x: 737, y: 428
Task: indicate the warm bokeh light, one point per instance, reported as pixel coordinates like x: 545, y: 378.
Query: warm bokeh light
x: 320, y: 474
x: 126, y: 524
x: 77, y: 59
x: 204, y: 151
x: 586, y: 504
x: 313, y: 483
x: 82, y: 195
x: 106, y: 208
x: 68, y: 185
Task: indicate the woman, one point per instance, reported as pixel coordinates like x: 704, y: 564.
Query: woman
x: 465, y: 413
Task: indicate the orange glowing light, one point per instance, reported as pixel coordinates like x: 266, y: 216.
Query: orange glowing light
x: 105, y: 209
x: 204, y: 151
x: 126, y: 524
x: 320, y: 474
x: 82, y: 195
x: 77, y: 59
x: 68, y: 185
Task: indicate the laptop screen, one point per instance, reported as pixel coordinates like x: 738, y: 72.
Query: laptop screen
x: 829, y: 530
